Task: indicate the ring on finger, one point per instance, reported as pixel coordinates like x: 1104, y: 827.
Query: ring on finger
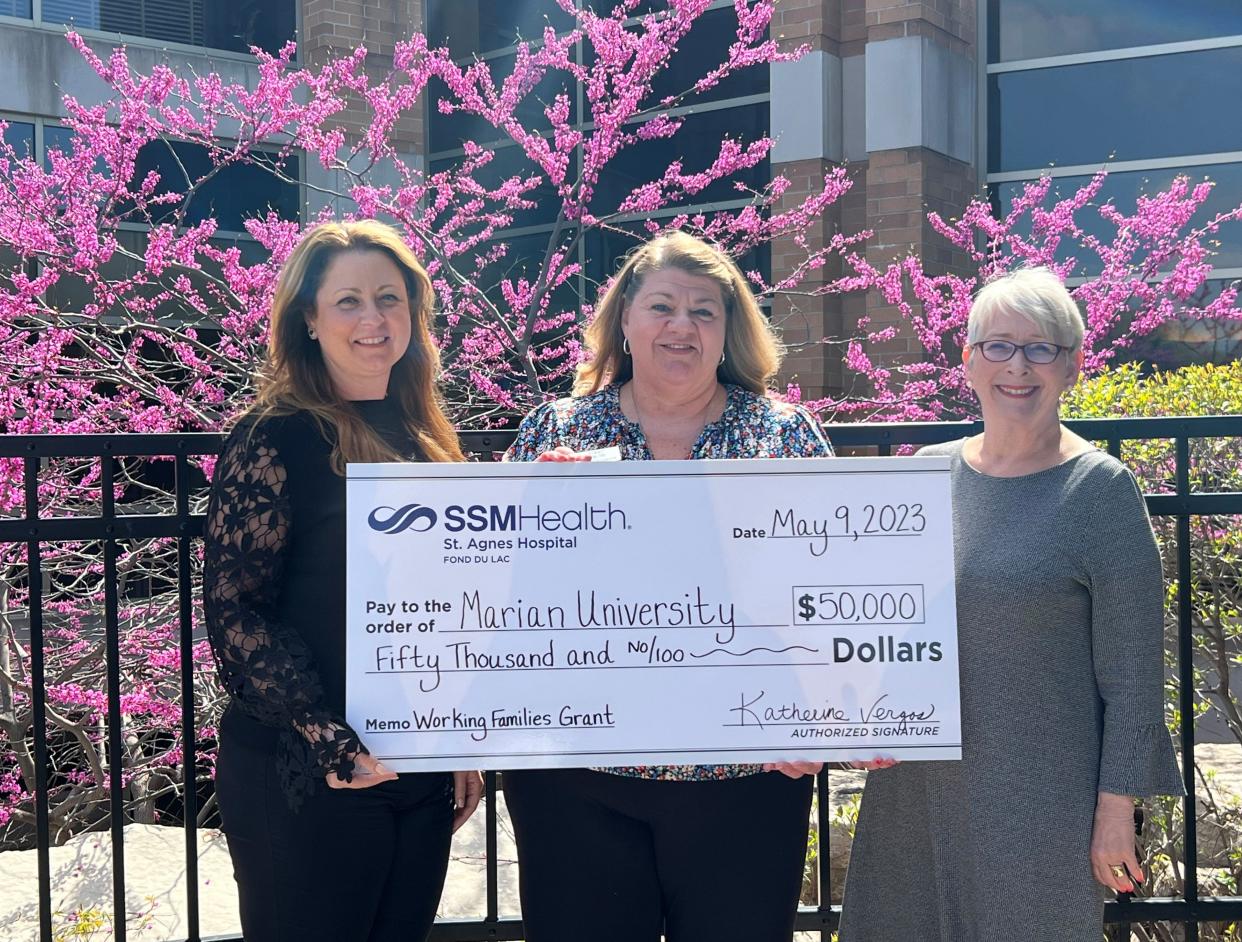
x: 1119, y: 871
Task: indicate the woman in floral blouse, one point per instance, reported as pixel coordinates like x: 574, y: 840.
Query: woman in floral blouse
x: 682, y: 359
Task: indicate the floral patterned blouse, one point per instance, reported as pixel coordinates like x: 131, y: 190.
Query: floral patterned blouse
x: 751, y: 426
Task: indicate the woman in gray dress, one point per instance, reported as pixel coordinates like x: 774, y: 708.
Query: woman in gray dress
x: 1059, y: 604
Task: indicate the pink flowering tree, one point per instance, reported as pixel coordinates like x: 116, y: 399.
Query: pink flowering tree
x: 1150, y: 269
x: 124, y: 308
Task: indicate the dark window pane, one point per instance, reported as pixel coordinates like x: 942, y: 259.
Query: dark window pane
x: 1189, y: 340
x: 20, y: 136
x: 1161, y: 106
x: 1125, y: 188
x: 697, y: 145
x: 1029, y: 29
x: 174, y: 21
x: 644, y: 7
x: 10, y: 264
x: 20, y: 8
x: 606, y: 249
x: 468, y: 27
x: 447, y: 132
x: 704, y: 48
x: 84, y: 14
x: 72, y: 294
x: 236, y: 193
x: 235, y: 25
x: 524, y: 259
x: 57, y: 137
x: 240, y: 24
x: 169, y: 20
x: 60, y: 138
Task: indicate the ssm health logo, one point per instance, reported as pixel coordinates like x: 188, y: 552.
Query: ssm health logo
x: 477, y: 518
x: 417, y: 517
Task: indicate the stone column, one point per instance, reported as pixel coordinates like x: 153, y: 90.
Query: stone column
x: 889, y: 89
x: 921, y: 79
x: 808, y: 123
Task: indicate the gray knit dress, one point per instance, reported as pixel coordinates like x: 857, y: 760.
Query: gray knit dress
x: 1059, y: 629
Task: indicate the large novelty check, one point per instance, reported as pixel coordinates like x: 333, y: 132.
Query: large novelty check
x: 562, y: 615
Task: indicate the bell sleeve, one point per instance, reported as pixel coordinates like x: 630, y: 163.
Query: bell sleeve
x: 1125, y: 579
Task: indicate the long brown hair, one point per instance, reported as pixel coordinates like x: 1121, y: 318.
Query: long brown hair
x: 296, y: 378
x: 752, y: 352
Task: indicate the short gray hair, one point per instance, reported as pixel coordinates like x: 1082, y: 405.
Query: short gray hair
x: 1036, y: 294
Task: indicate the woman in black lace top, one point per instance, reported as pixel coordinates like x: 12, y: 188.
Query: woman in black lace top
x: 326, y: 842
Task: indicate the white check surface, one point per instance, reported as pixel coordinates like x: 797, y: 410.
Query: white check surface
x: 561, y: 615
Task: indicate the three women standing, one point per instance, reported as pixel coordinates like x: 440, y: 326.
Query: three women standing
x: 326, y: 842
x: 1059, y: 605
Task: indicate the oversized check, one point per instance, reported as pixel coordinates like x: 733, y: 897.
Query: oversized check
x: 595, y: 614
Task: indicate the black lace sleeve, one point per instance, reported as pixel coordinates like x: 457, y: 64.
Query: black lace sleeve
x: 265, y: 666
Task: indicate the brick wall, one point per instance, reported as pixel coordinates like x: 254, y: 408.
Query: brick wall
x: 949, y: 20
x: 804, y: 322
x: 811, y: 22
x: 334, y: 28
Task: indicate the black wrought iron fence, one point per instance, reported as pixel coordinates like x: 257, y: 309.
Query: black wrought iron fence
x: 108, y: 529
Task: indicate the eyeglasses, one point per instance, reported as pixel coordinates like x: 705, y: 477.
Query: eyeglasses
x: 1000, y: 351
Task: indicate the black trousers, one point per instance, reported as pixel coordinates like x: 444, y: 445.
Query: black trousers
x: 363, y: 865
x: 617, y: 859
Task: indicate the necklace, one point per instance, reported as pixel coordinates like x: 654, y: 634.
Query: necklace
x: 700, y: 421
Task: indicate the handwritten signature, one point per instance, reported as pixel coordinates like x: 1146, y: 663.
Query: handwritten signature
x: 750, y: 713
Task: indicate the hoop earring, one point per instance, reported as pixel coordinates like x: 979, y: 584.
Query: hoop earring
x: 310, y: 332
x: 722, y: 356
x: 625, y: 345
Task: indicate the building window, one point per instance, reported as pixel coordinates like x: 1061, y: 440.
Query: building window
x: 697, y: 145
x: 237, y: 193
x: 56, y: 137
x: 20, y: 136
x: 1123, y: 189
x: 1033, y: 29
x: 1124, y: 109
x: 471, y: 26
x: 1140, y: 88
x: 1194, y: 340
x: 232, y: 196
x: 233, y: 26
x: 18, y: 8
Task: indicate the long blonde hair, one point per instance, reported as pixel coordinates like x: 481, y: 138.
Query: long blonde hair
x: 752, y: 352
x: 295, y: 378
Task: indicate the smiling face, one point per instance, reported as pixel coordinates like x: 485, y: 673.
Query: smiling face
x: 362, y: 318
x: 1018, y: 390
x: 675, y: 325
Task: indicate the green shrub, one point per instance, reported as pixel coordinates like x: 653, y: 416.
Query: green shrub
x: 1216, y: 604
